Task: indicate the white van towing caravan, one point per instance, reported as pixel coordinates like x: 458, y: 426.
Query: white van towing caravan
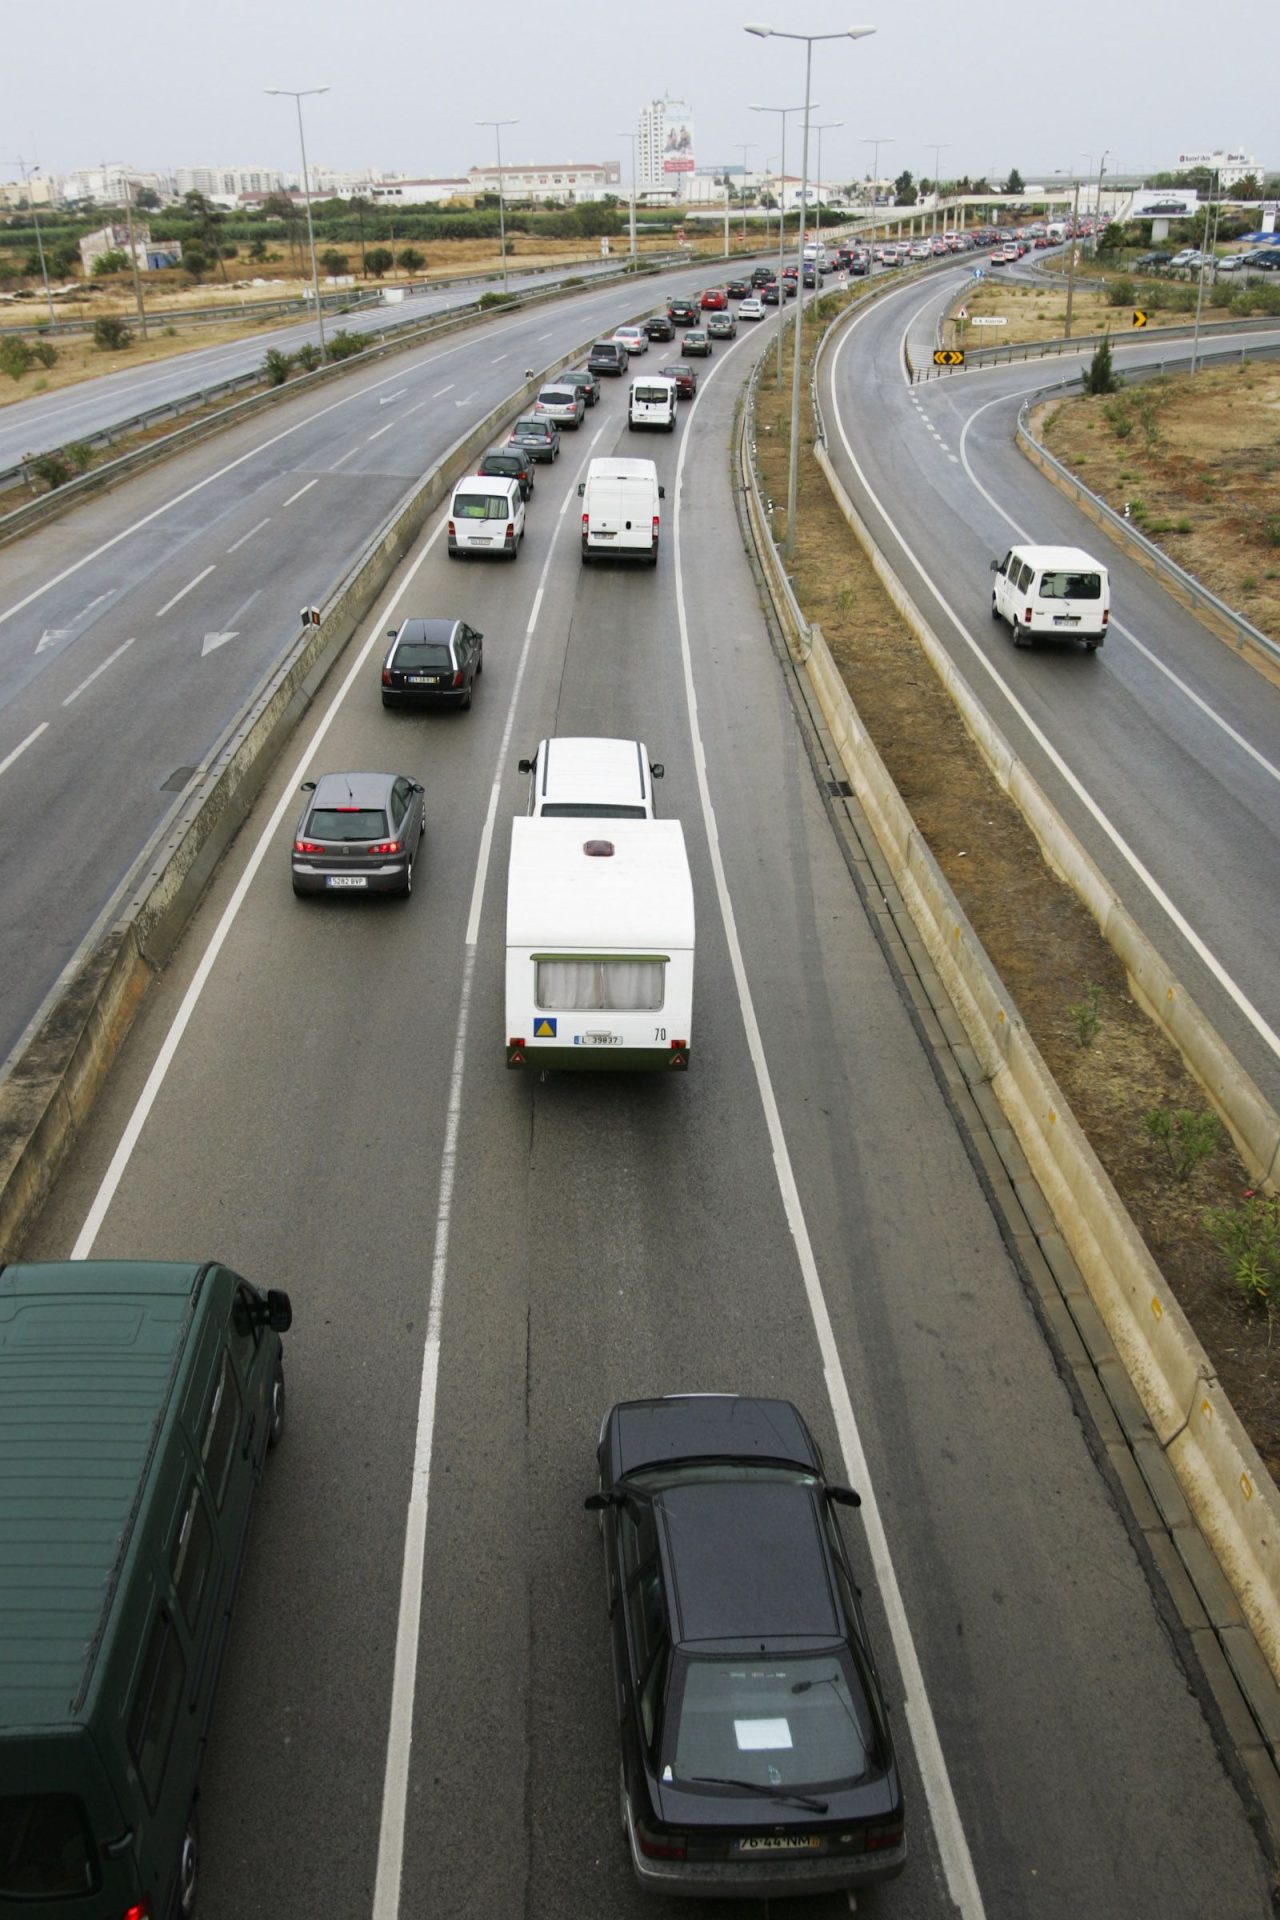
x: 620, y: 509
x: 600, y: 940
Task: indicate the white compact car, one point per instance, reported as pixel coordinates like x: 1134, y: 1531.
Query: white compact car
x: 634, y: 339
x: 750, y: 310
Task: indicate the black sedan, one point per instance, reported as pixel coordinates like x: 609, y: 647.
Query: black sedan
x: 697, y: 341
x: 512, y: 463
x: 587, y: 383
x: 432, y: 663
x: 769, y: 293
x: 685, y: 379
x: 659, y: 327
x: 756, y: 1755
x: 737, y: 289
x: 358, y: 833
x: 682, y: 313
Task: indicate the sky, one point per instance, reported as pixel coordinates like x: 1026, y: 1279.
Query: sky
x: 166, y: 85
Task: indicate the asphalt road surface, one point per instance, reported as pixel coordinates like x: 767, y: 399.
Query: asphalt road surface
x: 481, y: 1262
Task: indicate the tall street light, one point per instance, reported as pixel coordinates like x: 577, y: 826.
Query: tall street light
x: 632, y: 138
x: 936, y: 147
x: 828, y: 126
x: 1097, y: 219
x: 298, y: 95
x: 882, y: 140
x: 782, y: 113
x: 745, y: 147
x: 497, y: 126
x: 793, y: 465
x: 27, y: 171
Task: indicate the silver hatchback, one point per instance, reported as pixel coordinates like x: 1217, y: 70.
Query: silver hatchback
x: 358, y: 833
x: 564, y: 405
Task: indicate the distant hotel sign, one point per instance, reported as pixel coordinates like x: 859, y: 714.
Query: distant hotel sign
x: 677, y: 153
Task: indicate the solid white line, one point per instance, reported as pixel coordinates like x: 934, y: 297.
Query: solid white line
x: 204, y: 575
x: 35, y: 735
x: 248, y: 536
x: 301, y: 490
x: 1238, y: 998
x: 953, y: 1846
x: 97, y: 670
x: 395, y: 1783
x: 381, y: 430
x: 164, y: 1059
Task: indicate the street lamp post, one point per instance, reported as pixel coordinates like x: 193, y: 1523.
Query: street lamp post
x: 782, y: 113
x: 793, y: 465
x: 745, y: 147
x: 936, y: 147
x: 298, y: 95
x: 497, y: 126
x: 1071, y: 258
x: 1204, y: 257
x: 881, y: 140
x: 632, y: 223
x: 1097, y: 218
x: 27, y: 171
x: 828, y: 126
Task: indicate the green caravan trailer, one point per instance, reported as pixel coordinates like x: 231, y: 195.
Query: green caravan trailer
x: 137, y: 1403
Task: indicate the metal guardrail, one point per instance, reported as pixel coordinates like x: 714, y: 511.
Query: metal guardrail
x: 342, y: 302
x: 1042, y: 349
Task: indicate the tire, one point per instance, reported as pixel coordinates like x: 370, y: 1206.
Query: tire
x: 188, y: 1890
x: 1020, y: 637
x: 1091, y: 646
x: 453, y: 553
x: 299, y: 892
x: 275, y: 1428
x: 479, y: 671
x: 995, y: 611
x: 466, y: 708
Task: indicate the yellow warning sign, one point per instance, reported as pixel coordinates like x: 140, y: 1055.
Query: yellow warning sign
x: 1139, y: 317
x: 948, y: 357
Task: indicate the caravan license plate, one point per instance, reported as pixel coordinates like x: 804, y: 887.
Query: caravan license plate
x: 598, y: 1040
x: 775, y: 1843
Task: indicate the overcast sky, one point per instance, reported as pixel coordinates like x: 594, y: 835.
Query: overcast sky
x: 162, y: 85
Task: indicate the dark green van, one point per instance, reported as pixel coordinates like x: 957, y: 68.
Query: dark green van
x: 137, y: 1403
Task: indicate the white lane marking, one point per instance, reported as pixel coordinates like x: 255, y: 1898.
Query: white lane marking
x: 499, y: 358
x: 212, y: 641
x: 953, y: 1846
x: 441, y: 391
x: 381, y: 430
x: 341, y: 457
x: 190, y: 1000
x: 33, y: 735
x: 1117, y: 626
x: 183, y: 592
x: 97, y: 670
x: 418, y: 409
x: 395, y: 1784
x: 301, y: 490
x: 1234, y: 993
x: 248, y: 536
x: 51, y: 636
x: 385, y: 399
x: 466, y: 399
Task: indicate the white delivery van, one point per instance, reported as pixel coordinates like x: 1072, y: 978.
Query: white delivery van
x: 620, y: 509
x: 600, y: 942
x: 581, y: 778
x: 486, y: 515
x: 652, y: 403
x: 1061, y: 592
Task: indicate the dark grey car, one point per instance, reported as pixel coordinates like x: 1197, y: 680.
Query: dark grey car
x: 587, y: 383
x: 431, y: 663
x: 358, y: 833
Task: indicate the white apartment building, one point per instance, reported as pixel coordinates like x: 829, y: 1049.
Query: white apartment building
x: 566, y: 181
x: 1229, y: 163
x: 228, y: 183
x: 401, y: 192
x: 664, y: 149
x: 110, y: 184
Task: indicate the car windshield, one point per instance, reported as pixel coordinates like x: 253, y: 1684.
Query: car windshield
x: 480, y: 506
x: 1071, y: 586
x: 790, y: 1721
x: 347, y: 823
x: 423, y: 653
x: 46, y: 1849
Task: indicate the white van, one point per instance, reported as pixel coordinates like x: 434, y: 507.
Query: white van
x: 591, y: 779
x: 1059, y: 591
x: 652, y: 403
x: 600, y: 942
x: 486, y: 515
x: 620, y: 509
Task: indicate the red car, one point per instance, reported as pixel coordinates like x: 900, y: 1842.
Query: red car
x: 714, y: 300
x: 686, y: 380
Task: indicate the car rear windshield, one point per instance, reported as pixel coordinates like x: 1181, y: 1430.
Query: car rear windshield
x: 46, y: 1848
x: 558, y: 397
x: 533, y: 429
x: 348, y: 823
x: 778, y: 1722
x: 653, y: 396
x: 481, y: 506
x: 566, y: 985
x: 423, y: 653
x: 605, y: 349
x: 1071, y: 586
x: 501, y: 463
x: 590, y: 810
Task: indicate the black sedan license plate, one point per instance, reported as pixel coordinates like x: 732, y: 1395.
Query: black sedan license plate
x: 778, y: 1843
x: 423, y: 679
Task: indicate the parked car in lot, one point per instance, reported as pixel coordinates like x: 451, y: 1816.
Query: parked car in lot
x: 431, y: 663
x: 684, y: 378
x: 608, y: 356
x: 561, y: 403
x: 683, y: 313
x: 751, y: 309
x: 587, y: 383
x: 659, y: 326
x: 358, y: 833
x: 486, y: 515
x: 1155, y: 258
x: 722, y: 326
x: 757, y: 1760
x: 508, y: 463
x: 537, y: 436
x: 697, y: 341
x: 634, y: 339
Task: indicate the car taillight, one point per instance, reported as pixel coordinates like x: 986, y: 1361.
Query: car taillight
x: 453, y: 531
x: 139, y: 1911
x: 511, y: 529
x: 386, y: 846
x: 586, y: 522
x: 386, y: 676
x: 1027, y: 615
x: 457, y: 679
x: 881, y: 1839
x: 308, y: 846
x: 655, y: 526
x: 656, y: 1847
x: 1106, y: 615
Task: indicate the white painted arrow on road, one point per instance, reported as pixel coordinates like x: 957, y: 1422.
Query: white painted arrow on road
x: 212, y: 640
x: 51, y: 636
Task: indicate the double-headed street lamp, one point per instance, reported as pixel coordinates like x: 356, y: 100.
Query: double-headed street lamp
x: 782, y: 113
x: 497, y: 126
x: 298, y: 95
x: 828, y: 126
x: 936, y: 148
x: 793, y: 468
x: 880, y: 140
x: 745, y: 147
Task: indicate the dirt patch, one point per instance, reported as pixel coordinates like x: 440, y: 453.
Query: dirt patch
x: 1041, y: 941
x: 1040, y: 312
x: 1197, y: 461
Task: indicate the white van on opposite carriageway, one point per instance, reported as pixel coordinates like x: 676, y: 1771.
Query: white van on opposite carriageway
x: 652, y: 403
x: 620, y: 509
x: 1061, y: 592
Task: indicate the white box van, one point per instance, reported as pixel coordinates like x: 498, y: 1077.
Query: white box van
x: 591, y: 779
x: 652, y: 403
x: 600, y: 943
x: 486, y: 515
x: 1059, y: 591
x: 620, y: 509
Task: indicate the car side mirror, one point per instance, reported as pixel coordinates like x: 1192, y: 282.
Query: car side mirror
x: 392, y: 632
x: 600, y: 1502
x: 657, y: 769
x: 662, y: 493
x: 308, y: 786
x: 416, y: 786
x: 995, y: 566
x: 279, y: 1310
x: 844, y: 1497
x: 582, y: 487
x: 524, y: 766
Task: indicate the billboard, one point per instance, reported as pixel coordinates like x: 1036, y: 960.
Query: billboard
x: 677, y: 146
x: 1173, y: 203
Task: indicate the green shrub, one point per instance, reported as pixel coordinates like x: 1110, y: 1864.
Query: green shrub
x: 1086, y: 1016
x: 1100, y: 376
x: 111, y: 262
x: 494, y: 300
x: 276, y: 367
x: 1188, y: 1136
x: 308, y: 356
x: 1270, y: 529
x: 45, y: 352
x: 111, y: 334
x: 1183, y: 526
x: 15, y: 356
x: 1121, y: 293
x: 1118, y: 415
x: 1249, y: 1236
x: 344, y: 345
x: 79, y: 455
x: 53, y: 468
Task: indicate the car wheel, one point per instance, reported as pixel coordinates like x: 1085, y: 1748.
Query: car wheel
x: 407, y: 888
x: 479, y: 671
x: 471, y: 694
x: 1020, y: 637
x: 622, y: 1803
x: 995, y: 611
x: 275, y: 1428
x: 189, y: 1869
x: 298, y: 891
x: 1091, y: 646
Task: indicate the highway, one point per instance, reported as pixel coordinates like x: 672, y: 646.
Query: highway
x: 1162, y: 750
x: 417, y: 1718
x: 72, y: 413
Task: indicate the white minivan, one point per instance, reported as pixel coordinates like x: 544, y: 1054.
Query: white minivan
x: 652, y: 403
x: 573, y: 777
x: 1061, y: 592
x: 486, y: 515
x: 620, y: 509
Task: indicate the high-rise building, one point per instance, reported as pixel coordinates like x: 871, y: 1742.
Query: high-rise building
x: 664, y: 147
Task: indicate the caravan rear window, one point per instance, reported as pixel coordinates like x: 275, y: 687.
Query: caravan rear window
x: 1071, y: 586
x: 564, y: 985
x: 46, y: 1848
